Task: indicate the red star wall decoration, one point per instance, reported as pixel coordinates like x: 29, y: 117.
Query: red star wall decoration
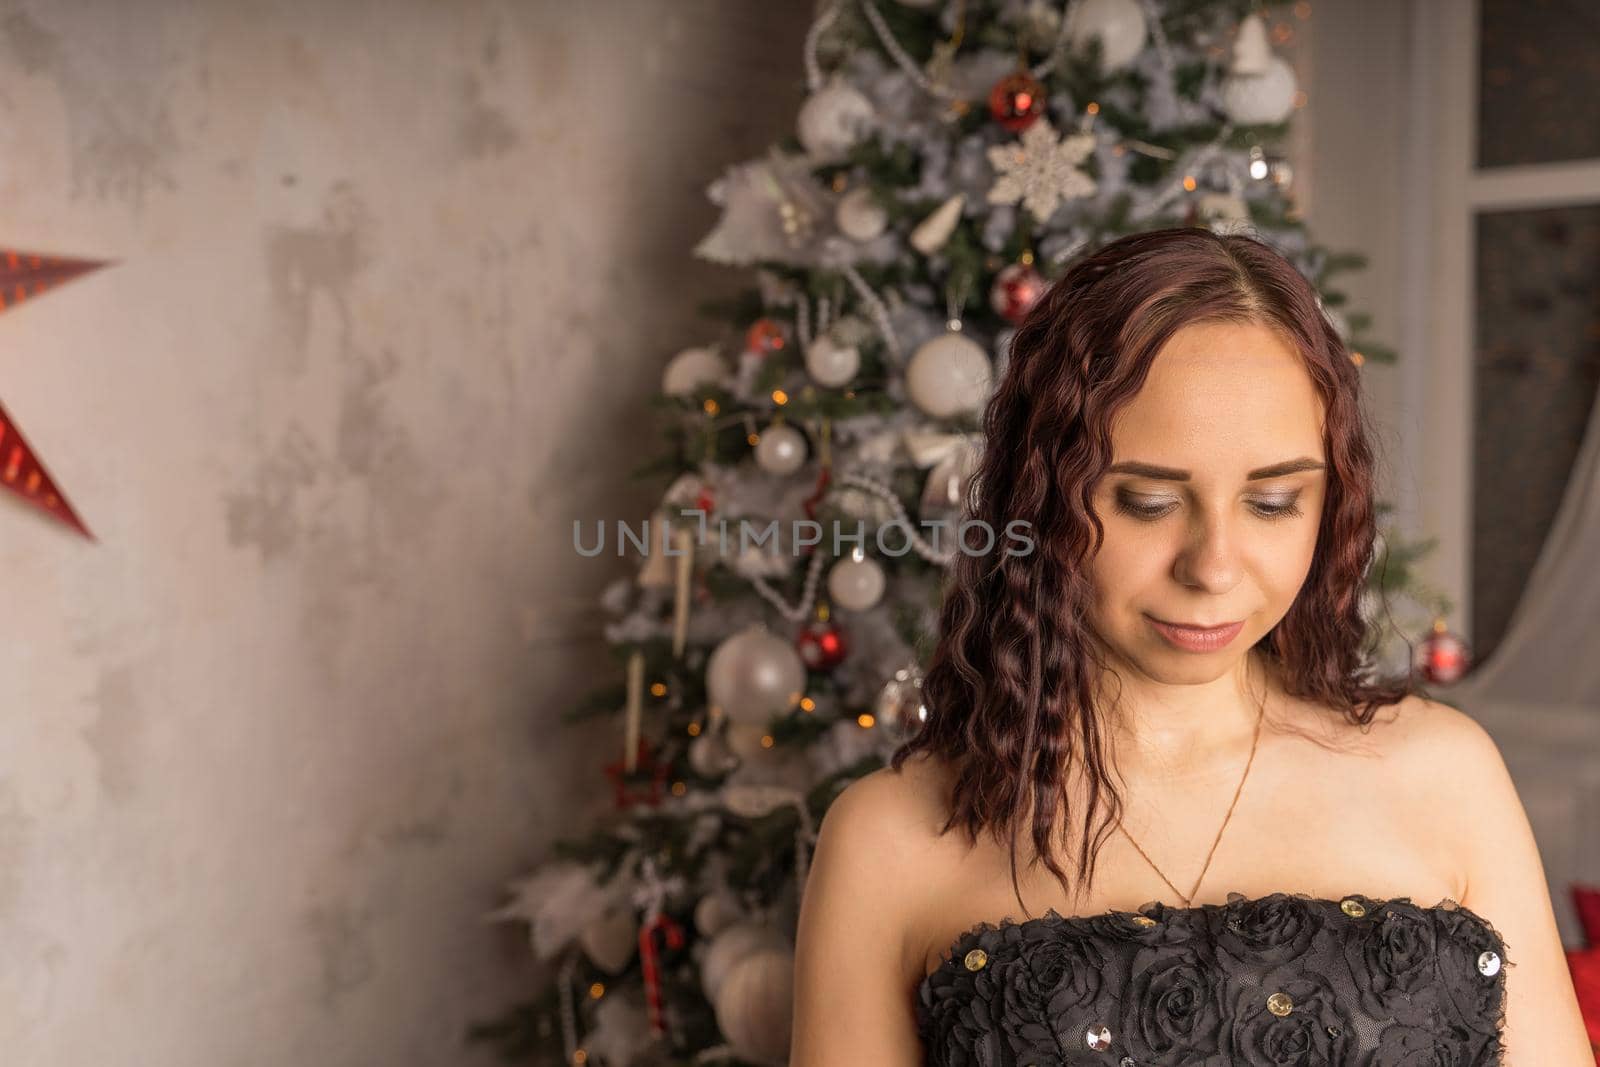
x: 24, y: 275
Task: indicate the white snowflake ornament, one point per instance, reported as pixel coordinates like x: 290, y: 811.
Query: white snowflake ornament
x: 1041, y: 169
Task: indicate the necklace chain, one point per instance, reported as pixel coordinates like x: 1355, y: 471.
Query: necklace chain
x: 1188, y: 900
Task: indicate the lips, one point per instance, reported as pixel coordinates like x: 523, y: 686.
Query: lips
x: 1190, y: 638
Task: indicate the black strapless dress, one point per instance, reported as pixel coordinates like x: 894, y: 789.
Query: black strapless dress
x: 1275, y: 980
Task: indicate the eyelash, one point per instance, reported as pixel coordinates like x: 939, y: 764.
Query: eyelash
x: 1270, y: 513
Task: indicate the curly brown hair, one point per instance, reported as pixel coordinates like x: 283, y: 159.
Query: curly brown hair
x: 1010, y: 686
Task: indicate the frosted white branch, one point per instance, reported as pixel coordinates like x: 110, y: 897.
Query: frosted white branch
x: 813, y: 36
x: 875, y: 308
x: 899, y: 55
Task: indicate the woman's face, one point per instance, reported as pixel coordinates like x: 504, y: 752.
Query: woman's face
x: 1204, y: 522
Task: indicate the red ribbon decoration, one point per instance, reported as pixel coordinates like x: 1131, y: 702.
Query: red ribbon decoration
x: 650, y: 961
x: 644, y: 786
x: 24, y: 275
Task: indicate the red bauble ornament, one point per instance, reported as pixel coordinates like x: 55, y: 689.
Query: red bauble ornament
x: 706, y: 501
x: 821, y: 645
x: 1016, y: 101
x: 1016, y: 289
x: 1442, y: 657
x: 764, y: 337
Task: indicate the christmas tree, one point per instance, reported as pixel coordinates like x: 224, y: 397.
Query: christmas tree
x: 951, y: 157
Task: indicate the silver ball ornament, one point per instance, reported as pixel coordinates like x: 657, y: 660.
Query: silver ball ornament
x: 755, y: 1007
x: 860, y: 216
x: 949, y: 375
x: 755, y: 675
x: 832, y: 364
x: 1263, y: 99
x: 856, y: 584
x: 715, y: 912
x: 832, y: 120
x: 1119, y: 26
x: 733, y: 944
x: 781, y: 449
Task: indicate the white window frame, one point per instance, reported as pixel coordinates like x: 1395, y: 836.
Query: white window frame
x: 1448, y: 190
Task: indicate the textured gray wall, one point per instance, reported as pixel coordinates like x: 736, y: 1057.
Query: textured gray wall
x: 396, y: 279
x: 1353, y: 139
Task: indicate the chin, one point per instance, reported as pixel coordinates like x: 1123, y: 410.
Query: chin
x: 1171, y: 667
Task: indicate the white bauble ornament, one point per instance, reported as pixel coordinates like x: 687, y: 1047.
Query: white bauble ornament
x: 949, y: 375
x: 830, y: 363
x: 832, y: 120
x: 715, y: 912
x: 1260, y: 99
x: 691, y: 370
x: 856, y: 584
x: 610, y: 940
x: 1119, y: 25
x: 932, y: 232
x: 737, y: 942
x: 860, y: 216
x: 781, y: 449
x: 755, y: 675
x: 1260, y: 87
x: 755, y: 1007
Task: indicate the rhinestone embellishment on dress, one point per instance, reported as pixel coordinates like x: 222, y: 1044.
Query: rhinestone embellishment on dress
x: 1352, y: 907
x: 1098, y: 1037
x: 976, y: 959
x: 1280, y: 1004
x: 1489, y: 963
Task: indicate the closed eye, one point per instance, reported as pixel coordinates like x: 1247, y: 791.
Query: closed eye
x: 1287, y: 509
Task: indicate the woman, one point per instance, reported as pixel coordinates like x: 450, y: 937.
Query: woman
x: 1341, y: 869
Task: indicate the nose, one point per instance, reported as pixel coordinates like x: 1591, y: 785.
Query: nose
x: 1209, y: 561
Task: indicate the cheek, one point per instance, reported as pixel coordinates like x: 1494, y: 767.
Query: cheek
x: 1285, y: 562
x: 1131, y: 561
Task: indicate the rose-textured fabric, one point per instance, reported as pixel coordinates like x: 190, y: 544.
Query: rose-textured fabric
x: 1281, y: 979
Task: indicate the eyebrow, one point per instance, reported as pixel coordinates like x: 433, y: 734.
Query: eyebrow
x: 1172, y: 474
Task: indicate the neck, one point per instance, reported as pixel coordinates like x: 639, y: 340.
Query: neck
x: 1187, y: 732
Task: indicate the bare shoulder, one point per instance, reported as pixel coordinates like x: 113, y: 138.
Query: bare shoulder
x: 1418, y: 752
x: 1477, y: 808
x: 871, y: 856
x: 1439, y: 771
x: 1429, y: 737
x: 889, y: 818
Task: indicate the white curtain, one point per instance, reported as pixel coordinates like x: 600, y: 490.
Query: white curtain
x: 1538, y: 694
x: 1551, y: 650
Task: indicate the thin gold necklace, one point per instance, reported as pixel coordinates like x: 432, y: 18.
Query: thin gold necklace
x: 1189, y: 899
